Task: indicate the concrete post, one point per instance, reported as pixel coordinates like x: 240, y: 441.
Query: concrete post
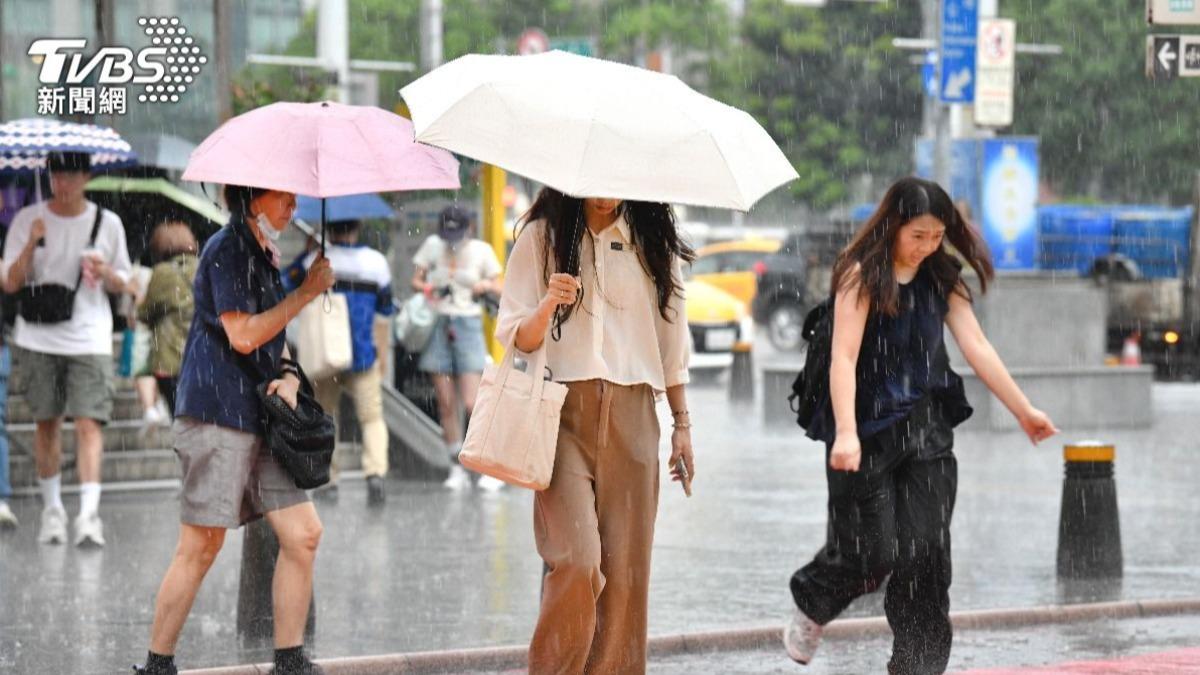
x: 741, y: 374
x: 1089, y: 528
x: 255, y: 615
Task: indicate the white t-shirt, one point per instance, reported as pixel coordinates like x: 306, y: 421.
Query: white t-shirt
x: 90, y: 329
x: 460, y: 268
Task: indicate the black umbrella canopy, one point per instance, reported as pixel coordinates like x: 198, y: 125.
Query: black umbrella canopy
x: 141, y: 212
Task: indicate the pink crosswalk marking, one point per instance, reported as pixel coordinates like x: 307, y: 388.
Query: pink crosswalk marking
x: 1176, y: 662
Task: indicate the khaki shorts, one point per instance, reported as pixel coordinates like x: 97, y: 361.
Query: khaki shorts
x: 73, y: 386
x: 229, y: 476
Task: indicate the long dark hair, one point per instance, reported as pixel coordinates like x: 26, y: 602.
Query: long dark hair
x: 871, y: 247
x: 651, y: 226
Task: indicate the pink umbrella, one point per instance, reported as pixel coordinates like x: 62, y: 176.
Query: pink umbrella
x: 322, y: 150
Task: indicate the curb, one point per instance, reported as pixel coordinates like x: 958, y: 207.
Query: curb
x: 737, y: 639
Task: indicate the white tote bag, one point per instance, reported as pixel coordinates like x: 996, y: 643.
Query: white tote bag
x: 323, y: 337
x: 513, y: 432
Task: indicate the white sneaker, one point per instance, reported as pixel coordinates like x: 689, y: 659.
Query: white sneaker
x: 8, y: 519
x: 89, y: 531
x: 152, y: 419
x: 458, y: 480
x: 801, y: 637
x: 54, y: 526
x: 489, y: 484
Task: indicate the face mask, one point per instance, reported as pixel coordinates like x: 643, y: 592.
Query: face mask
x: 264, y: 226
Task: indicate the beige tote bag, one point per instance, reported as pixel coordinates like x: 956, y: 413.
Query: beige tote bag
x: 513, y: 432
x: 323, y: 337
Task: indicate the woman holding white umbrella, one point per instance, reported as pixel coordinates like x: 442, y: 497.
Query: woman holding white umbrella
x: 602, y: 277
x: 594, y: 279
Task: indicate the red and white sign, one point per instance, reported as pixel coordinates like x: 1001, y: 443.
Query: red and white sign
x: 994, y: 76
x: 533, y: 41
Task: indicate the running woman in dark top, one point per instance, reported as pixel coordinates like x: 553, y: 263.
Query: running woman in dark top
x: 888, y: 428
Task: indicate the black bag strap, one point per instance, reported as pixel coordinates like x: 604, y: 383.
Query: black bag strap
x: 91, y: 242
x: 355, y: 286
x: 305, y: 384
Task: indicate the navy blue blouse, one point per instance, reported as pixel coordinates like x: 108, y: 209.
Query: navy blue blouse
x: 903, y: 360
x: 216, y: 384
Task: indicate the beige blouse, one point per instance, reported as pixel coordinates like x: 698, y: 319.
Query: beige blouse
x: 616, y: 333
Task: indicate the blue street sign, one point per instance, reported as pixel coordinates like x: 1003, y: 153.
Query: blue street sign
x: 929, y: 74
x: 960, y: 28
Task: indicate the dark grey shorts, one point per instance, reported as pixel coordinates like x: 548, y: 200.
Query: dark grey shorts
x: 229, y: 476
x: 79, y: 386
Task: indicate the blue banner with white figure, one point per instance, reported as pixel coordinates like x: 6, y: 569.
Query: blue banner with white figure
x: 1009, y: 196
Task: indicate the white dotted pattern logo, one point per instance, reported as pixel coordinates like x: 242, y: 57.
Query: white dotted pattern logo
x: 184, y: 59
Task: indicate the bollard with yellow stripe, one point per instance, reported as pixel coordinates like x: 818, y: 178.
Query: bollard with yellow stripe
x: 1089, y: 527
x: 1089, y: 451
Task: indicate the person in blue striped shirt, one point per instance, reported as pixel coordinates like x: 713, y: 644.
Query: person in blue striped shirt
x: 363, y: 276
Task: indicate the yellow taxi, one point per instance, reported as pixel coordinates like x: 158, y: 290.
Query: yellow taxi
x: 730, y: 265
x: 718, y: 322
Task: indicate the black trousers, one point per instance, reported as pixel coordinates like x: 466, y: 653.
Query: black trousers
x: 892, y: 517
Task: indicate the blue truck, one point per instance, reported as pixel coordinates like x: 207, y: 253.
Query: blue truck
x: 1142, y: 257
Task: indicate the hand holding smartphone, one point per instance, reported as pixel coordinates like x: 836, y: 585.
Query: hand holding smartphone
x: 685, y: 480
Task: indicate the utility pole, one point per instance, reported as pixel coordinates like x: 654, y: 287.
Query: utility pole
x: 333, y: 43
x: 105, y: 23
x: 937, y: 114
x: 2, y: 87
x: 431, y: 35
x: 223, y: 46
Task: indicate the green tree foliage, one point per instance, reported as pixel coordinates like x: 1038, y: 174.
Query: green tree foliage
x: 388, y: 30
x: 830, y: 89
x: 1106, y: 131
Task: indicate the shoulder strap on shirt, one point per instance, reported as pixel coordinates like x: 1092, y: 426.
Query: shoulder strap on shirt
x: 91, y: 242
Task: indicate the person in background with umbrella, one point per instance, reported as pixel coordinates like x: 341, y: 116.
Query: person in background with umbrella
x: 169, y: 304
x: 364, y: 277
x: 603, y: 278
x: 67, y: 365
x: 453, y: 270
x: 888, y: 426
x: 230, y: 478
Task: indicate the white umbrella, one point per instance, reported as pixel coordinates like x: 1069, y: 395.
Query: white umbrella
x: 594, y: 128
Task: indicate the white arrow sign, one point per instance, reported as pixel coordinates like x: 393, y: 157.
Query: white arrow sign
x: 1166, y: 56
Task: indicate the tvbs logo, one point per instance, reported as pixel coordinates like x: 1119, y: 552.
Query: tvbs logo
x: 165, y: 70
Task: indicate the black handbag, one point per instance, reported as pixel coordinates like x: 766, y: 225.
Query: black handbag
x: 53, y: 303
x: 302, y: 440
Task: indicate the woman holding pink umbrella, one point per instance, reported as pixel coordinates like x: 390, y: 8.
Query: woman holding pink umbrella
x: 229, y: 477
x: 236, y: 342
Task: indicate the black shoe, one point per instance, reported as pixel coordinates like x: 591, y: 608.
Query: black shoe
x: 142, y: 670
x: 326, y: 493
x: 307, y: 667
x: 375, y: 492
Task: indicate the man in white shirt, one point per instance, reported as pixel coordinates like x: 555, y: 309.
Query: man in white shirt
x: 66, y: 356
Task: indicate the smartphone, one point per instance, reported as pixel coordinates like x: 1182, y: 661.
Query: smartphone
x: 686, y: 481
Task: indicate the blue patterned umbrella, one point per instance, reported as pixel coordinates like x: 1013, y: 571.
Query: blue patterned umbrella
x: 25, y: 143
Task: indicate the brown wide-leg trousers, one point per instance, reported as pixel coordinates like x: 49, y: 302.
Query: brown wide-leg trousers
x: 594, y: 527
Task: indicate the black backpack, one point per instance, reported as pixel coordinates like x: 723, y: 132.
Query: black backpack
x: 810, y: 390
